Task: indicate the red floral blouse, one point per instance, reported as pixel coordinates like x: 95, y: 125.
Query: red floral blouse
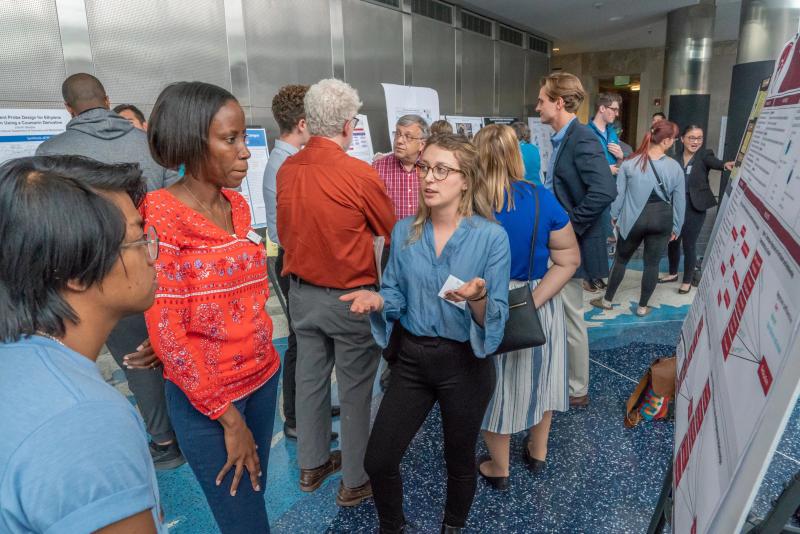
x: 209, y: 325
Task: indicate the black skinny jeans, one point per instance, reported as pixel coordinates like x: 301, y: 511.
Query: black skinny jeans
x: 654, y: 227
x: 429, y: 370
x: 690, y: 231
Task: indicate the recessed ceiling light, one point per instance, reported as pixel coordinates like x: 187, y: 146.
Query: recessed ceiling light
x: 556, y: 50
x: 598, y: 5
x: 616, y: 19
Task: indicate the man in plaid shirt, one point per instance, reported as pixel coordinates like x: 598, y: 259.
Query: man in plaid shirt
x: 397, y: 169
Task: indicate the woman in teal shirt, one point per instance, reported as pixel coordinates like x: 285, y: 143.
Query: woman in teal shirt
x: 530, y: 153
x: 448, y: 330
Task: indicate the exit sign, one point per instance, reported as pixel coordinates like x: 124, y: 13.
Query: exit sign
x: 621, y: 80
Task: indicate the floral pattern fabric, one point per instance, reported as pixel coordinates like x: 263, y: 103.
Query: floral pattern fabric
x: 209, y: 324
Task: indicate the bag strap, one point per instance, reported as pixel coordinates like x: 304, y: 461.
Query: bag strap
x: 535, y: 231
x: 660, y: 183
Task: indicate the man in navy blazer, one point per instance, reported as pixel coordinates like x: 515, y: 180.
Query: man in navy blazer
x: 581, y: 179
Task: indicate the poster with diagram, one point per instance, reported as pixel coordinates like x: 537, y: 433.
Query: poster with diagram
x: 738, y: 357
x: 361, y: 146
x: 466, y: 126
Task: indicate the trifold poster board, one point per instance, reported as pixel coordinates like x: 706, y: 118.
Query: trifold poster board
x: 253, y: 185
x: 466, y: 126
x: 361, y: 147
x: 23, y: 130
x: 540, y: 136
x: 407, y: 100
x: 738, y: 365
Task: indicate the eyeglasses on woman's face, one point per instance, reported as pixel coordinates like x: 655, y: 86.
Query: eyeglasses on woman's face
x: 149, y: 240
x: 440, y: 172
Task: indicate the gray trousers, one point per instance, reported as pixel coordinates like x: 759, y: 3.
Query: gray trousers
x: 577, y: 338
x: 327, y: 333
x: 147, y: 385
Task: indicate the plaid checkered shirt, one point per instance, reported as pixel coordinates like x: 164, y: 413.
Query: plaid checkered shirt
x: 401, y: 185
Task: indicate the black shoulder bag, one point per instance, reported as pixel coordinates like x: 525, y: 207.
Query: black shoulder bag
x: 660, y: 183
x: 523, y: 328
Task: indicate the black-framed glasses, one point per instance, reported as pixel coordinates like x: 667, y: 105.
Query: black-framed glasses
x: 693, y: 139
x: 615, y: 110
x: 150, y: 240
x: 407, y: 137
x: 354, y: 122
x: 440, y: 172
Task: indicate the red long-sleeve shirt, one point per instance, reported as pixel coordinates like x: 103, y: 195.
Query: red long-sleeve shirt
x: 330, y: 206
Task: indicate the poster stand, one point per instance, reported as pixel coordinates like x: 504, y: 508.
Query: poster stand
x: 776, y: 521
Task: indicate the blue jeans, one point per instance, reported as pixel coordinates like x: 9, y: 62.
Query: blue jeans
x: 203, y: 444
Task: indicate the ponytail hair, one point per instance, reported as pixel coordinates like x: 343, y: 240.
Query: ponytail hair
x: 658, y: 132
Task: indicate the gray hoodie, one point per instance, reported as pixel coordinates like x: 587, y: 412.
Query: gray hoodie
x: 105, y: 136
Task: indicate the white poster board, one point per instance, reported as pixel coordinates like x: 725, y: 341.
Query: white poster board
x: 407, y: 100
x: 253, y: 185
x: 540, y: 136
x: 738, y: 358
x: 361, y: 147
x: 723, y: 128
x: 23, y: 130
x: 466, y: 126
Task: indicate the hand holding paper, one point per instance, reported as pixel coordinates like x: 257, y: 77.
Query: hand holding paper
x: 458, y: 293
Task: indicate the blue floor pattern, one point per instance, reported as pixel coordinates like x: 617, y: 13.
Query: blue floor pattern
x: 600, y: 476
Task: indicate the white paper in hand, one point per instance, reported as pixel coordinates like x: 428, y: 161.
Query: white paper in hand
x: 450, y: 284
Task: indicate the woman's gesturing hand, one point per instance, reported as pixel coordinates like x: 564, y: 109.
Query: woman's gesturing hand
x: 363, y: 301
x: 473, y: 290
x: 241, y: 449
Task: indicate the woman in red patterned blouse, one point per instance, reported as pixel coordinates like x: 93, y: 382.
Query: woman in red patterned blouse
x: 209, y: 325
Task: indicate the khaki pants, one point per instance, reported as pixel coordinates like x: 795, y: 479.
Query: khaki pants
x: 577, y: 338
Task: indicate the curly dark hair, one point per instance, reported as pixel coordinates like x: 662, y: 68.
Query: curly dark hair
x: 287, y: 106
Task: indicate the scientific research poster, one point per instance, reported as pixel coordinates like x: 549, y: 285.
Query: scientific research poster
x: 466, y: 126
x: 540, y: 136
x: 253, y: 185
x: 23, y: 130
x: 361, y: 147
x: 738, y: 357
x: 407, y: 100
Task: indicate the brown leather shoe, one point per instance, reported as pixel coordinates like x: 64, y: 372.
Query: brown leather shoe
x: 353, y: 496
x: 579, y: 402
x: 311, y: 479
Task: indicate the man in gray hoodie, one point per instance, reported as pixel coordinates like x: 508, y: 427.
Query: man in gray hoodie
x: 98, y: 133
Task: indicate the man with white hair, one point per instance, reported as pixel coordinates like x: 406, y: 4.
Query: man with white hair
x: 397, y: 169
x: 330, y: 206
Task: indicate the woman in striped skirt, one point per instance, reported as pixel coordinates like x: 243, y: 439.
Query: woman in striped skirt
x: 530, y: 383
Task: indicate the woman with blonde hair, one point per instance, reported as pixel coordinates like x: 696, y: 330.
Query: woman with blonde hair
x: 530, y: 383
x: 446, y: 285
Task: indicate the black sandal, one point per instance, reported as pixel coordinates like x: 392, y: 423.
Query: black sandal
x: 668, y: 279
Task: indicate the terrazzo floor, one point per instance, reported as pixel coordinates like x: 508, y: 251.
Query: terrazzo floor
x: 600, y: 477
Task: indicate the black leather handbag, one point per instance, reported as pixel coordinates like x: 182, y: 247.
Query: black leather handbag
x: 523, y: 328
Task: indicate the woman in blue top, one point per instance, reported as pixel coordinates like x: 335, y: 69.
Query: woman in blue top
x: 530, y: 383
x: 448, y: 328
x: 648, y: 208
x: 530, y: 153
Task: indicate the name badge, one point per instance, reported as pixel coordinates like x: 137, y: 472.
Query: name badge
x: 254, y: 237
x: 689, y: 169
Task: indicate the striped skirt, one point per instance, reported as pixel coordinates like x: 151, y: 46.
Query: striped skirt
x: 531, y: 381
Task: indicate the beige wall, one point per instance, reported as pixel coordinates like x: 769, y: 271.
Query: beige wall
x: 648, y: 63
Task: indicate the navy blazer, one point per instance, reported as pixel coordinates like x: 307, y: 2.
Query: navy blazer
x: 585, y: 187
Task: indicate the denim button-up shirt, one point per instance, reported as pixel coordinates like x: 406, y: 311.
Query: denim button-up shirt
x: 414, y: 276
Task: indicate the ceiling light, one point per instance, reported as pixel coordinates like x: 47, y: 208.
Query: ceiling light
x: 598, y: 5
x: 636, y: 87
x: 615, y: 19
x: 556, y: 49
